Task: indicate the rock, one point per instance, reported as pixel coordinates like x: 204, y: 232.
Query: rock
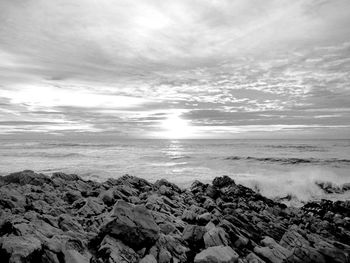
x: 92, y: 207
x: 167, y: 228
x: 252, y: 258
x: 73, y: 256
x: 193, y: 235
x: 68, y: 223
x: 65, y: 177
x: 203, y: 219
x: 134, y: 225
x: 216, y: 236
x: 112, y: 250
x: 107, y: 197
x: 170, y: 186
x: 223, y: 181
x: 218, y: 254
x: 71, y: 196
x: 20, y: 248
x: 26, y: 177
x: 300, y: 247
x: 189, y: 216
x: 164, y: 256
x: 273, y: 251
x: 148, y: 259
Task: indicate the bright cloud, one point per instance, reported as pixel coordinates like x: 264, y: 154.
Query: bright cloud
x: 159, y: 68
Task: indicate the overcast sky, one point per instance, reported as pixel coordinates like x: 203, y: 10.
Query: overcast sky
x: 167, y: 69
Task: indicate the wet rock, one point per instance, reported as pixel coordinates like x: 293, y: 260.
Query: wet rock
x: 218, y: 254
x: 134, y: 225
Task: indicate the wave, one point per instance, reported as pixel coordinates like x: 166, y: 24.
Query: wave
x: 44, y: 155
x: 292, y: 160
x: 308, y: 148
x: 179, y: 157
x: 299, y: 186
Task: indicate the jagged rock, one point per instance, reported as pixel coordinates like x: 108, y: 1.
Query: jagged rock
x: 218, y: 254
x: 300, y: 247
x: 68, y: 223
x: 204, y: 218
x: 148, y: 259
x: 112, y: 250
x: 20, y: 248
x: 216, y: 236
x: 223, y: 181
x: 71, y: 196
x: 93, y: 206
x: 174, y: 245
x: 73, y: 256
x: 252, y: 258
x: 26, y: 177
x: 65, y: 177
x: 272, y: 251
x: 134, y: 225
x: 107, y: 197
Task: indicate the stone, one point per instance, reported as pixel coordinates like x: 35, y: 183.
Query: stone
x: 133, y: 225
x: 20, y: 248
x: 252, y: 258
x: 73, y: 256
x: 148, y: 259
x: 92, y: 207
x: 223, y: 181
x: 218, y: 254
x: 203, y: 219
x: 216, y: 236
x: 272, y: 251
x: 26, y: 177
x: 65, y: 177
x: 112, y: 250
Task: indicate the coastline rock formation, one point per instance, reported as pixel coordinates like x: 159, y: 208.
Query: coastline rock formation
x: 65, y: 219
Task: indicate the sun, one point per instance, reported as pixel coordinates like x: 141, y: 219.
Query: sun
x: 175, y: 127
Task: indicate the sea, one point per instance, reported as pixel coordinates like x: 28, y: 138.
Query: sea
x: 289, y: 170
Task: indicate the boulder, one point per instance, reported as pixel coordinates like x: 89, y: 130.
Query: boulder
x: 218, y: 254
x: 133, y: 225
x: 223, y: 181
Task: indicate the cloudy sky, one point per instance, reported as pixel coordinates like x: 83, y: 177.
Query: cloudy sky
x: 175, y: 69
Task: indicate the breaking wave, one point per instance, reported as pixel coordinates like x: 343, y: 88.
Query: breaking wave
x: 290, y: 161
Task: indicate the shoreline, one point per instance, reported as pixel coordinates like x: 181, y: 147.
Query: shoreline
x: 64, y: 218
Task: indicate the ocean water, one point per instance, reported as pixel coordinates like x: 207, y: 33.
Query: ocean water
x: 276, y: 168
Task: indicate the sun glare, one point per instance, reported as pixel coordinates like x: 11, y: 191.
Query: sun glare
x: 175, y: 128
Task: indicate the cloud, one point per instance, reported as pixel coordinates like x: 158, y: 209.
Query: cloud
x: 125, y: 67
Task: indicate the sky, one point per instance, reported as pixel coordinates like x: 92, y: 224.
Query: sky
x: 175, y: 69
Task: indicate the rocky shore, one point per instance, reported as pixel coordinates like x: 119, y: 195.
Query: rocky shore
x: 65, y: 219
